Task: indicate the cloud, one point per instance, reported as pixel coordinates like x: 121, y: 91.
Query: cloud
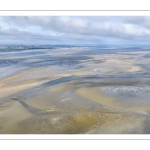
x: 63, y: 28
x: 15, y: 35
x: 140, y: 21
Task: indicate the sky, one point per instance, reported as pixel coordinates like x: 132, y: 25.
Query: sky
x: 79, y: 30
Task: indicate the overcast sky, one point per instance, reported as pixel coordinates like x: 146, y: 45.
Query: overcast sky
x: 74, y: 30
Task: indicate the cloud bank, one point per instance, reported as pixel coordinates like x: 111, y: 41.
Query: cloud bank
x: 74, y: 29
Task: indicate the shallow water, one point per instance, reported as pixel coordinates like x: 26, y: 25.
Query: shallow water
x: 64, y: 89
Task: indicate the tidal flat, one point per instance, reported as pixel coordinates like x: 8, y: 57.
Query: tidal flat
x: 75, y: 90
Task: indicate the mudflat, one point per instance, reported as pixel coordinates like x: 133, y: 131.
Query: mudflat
x: 75, y: 92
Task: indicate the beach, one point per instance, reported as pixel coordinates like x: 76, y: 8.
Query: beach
x: 74, y: 90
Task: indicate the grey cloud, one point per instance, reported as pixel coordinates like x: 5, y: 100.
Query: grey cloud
x: 25, y: 36
x: 19, y: 36
x: 82, y: 28
x: 140, y: 21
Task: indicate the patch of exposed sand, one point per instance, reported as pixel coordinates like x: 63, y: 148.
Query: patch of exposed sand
x: 94, y: 95
x: 83, y: 72
x: 120, y: 66
x: 113, y: 102
x: 12, y: 112
x: 8, y: 90
x: 114, y: 64
x: 60, y: 88
x: 15, y: 118
x: 45, y: 101
x: 20, y: 82
x: 26, y: 116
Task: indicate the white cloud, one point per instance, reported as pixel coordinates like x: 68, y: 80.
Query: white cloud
x: 124, y: 29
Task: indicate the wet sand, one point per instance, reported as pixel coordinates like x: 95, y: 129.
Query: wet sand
x: 67, y: 109
x: 65, y: 116
x: 100, y: 94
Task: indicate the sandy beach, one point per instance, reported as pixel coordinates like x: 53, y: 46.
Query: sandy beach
x: 76, y: 94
